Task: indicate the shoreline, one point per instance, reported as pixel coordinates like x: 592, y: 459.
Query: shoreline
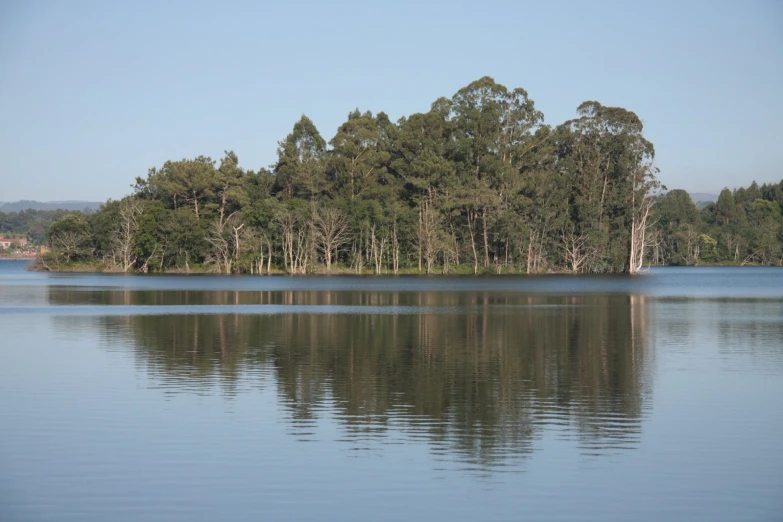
x: 454, y: 271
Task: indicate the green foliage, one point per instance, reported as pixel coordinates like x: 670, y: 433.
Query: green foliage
x: 742, y: 227
x: 299, y: 171
x: 72, y: 238
x: 478, y: 184
x: 30, y: 224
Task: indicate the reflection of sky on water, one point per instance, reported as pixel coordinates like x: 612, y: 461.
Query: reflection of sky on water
x: 495, y: 404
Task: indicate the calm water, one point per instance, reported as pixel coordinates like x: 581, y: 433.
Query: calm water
x: 193, y: 398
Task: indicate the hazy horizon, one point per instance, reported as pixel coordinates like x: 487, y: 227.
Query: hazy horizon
x: 95, y: 94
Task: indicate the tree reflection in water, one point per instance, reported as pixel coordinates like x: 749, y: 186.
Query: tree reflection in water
x: 481, y: 376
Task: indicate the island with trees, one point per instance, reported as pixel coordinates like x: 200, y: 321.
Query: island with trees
x: 478, y: 184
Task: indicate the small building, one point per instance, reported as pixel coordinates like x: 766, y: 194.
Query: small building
x: 6, y: 242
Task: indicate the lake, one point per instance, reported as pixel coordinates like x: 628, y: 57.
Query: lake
x: 202, y: 398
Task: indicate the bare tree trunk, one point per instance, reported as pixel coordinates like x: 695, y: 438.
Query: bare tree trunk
x: 146, y: 266
x: 330, y: 227
x: 260, y: 262
x: 395, y: 249
x: 603, y: 197
x: 486, y: 236
x: 377, y: 248
x: 575, y: 254
x: 471, y: 217
x: 373, y: 246
x: 454, y: 240
x: 287, y: 224
x: 125, y: 237
x: 638, y: 233
x: 302, y: 250
x: 530, y: 252
x: 236, y: 242
x: 733, y: 243
x: 359, y: 251
x: 420, y: 238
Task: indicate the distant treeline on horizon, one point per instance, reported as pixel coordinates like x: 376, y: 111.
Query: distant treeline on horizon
x: 26, y: 204
x: 476, y: 184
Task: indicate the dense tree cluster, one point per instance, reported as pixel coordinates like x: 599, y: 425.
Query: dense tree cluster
x: 744, y: 226
x: 479, y: 183
x: 30, y: 224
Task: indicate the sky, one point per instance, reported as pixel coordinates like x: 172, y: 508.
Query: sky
x: 93, y: 94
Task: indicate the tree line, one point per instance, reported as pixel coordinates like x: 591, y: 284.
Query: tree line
x: 744, y: 226
x: 477, y: 184
x: 31, y: 224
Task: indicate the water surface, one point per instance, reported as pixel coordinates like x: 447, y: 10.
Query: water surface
x: 391, y: 398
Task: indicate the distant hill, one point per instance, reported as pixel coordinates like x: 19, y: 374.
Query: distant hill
x: 16, y: 206
x: 703, y: 199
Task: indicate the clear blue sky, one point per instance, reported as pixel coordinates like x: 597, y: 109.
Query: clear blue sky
x: 92, y: 94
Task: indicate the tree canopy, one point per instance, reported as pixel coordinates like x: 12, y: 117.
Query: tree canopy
x: 479, y: 183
